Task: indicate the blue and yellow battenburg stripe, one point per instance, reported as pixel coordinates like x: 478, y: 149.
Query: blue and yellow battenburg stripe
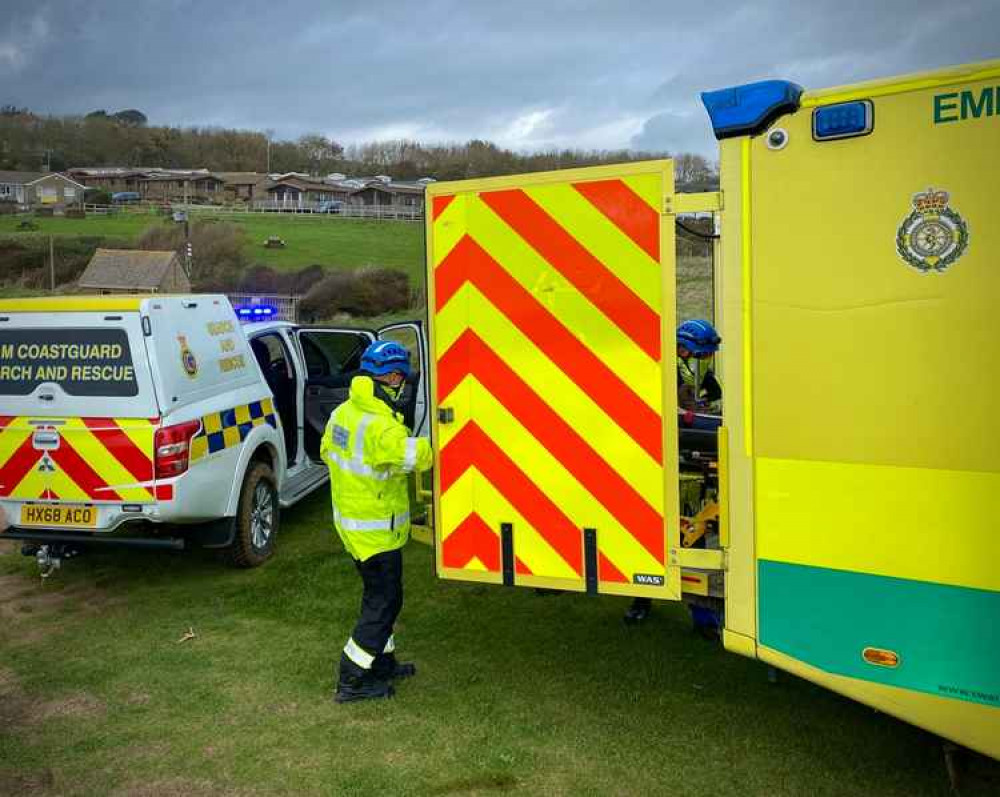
x: 228, y: 428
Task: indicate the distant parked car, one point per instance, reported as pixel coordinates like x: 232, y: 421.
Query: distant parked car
x: 329, y: 206
x: 124, y: 197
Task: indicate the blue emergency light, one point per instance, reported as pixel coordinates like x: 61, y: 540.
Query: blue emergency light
x: 843, y: 120
x: 256, y: 312
x: 750, y: 109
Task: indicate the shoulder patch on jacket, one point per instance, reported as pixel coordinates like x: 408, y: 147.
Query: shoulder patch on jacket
x: 340, y: 436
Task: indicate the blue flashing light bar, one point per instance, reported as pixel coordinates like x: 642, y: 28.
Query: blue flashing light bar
x: 256, y: 312
x: 750, y: 109
x: 843, y: 120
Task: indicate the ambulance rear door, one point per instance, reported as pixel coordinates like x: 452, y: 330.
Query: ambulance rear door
x: 549, y: 298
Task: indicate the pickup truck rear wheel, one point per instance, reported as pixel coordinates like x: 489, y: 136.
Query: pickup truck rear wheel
x: 256, y: 518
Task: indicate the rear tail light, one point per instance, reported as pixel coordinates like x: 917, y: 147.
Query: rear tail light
x: 172, y: 445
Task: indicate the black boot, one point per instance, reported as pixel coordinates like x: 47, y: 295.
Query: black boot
x: 388, y: 668
x: 638, y: 611
x: 367, y: 686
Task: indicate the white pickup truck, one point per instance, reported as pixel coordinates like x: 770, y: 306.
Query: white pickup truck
x: 165, y: 421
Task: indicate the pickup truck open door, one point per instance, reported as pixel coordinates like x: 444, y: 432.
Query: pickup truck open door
x: 552, y: 310
x: 333, y: 355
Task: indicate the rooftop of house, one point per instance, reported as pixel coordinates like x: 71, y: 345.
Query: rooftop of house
x: 127, y: 268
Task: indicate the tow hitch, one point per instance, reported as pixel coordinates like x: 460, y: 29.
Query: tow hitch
x: 49, y: 557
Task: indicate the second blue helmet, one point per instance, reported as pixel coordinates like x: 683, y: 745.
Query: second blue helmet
x: 698, y: 337
x: 385, y: 356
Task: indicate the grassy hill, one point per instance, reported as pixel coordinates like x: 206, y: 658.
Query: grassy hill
x: 328, y: 241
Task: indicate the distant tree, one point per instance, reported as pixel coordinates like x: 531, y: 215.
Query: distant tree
x: 13, y: 110
x: 131, y: 118
x: 693, y: 169
x: 98, y: 114
x: 319, y: 152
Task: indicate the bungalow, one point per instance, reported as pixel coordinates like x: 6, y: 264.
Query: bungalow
x: 244, y: 186
x: 175, y: 185
x: 111, y: 178
x: 299, y: 192
x: 181, y: 185
x: 39, y: 188
x: 380, y: 192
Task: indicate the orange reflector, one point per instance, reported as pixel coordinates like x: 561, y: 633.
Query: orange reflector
x: 880, y: 657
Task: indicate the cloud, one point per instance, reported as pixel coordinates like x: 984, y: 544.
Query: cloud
x: 19, y: 40
x: 526, y: 74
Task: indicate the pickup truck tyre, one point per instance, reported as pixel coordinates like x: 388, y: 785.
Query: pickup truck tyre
x: 256, y: 518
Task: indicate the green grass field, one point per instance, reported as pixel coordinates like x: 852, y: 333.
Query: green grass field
x: 329, y: 241
x: 517, y: 692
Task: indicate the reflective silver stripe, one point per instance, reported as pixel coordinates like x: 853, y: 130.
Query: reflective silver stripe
x: 359, y: 437
x: 356, y: 464
x: 355, y: 524
x: 358, y: 468
x: 358, y: 655
x: 390, y: 645
x: 410, y: 458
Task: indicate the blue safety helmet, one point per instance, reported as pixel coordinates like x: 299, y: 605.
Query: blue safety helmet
x: 698, y: 337
x: 385, y: 356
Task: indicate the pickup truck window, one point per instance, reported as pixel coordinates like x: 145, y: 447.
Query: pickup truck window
x: 332, y: 355
x: 83, y: 362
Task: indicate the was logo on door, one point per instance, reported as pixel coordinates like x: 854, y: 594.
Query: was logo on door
x: 647, y: 580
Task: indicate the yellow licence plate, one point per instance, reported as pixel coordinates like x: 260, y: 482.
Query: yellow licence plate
x: 60, y: 515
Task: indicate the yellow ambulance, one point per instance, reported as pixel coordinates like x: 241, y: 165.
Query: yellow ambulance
x: 858, y: 464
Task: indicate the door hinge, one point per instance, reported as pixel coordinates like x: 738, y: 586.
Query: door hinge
x: 446, y: 415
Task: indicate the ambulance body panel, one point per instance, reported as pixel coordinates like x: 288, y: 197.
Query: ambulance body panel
x: 858, y: 287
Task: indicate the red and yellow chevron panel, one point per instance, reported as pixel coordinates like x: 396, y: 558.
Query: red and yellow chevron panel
x: 96, y: 459
x: 551, y: 294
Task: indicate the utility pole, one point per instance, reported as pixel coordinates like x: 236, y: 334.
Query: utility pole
x: 52, y: 264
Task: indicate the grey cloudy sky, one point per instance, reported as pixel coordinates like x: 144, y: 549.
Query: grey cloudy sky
x: 527, y: 74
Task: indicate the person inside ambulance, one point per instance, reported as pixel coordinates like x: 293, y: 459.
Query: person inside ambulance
x: 697, y: 387
x: 697, y: 390
x: 370, y: 454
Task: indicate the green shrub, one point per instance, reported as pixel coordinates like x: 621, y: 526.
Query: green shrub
x: 367, y: 291
x: 219, y: 260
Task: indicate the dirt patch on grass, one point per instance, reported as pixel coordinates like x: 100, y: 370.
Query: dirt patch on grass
x: 180, y: 787
x: 138, y: 699
x: 24, y: 601
x: 78, y: 706
x: 37, y: 783
x: 490, y: 783
x: 18, y: 710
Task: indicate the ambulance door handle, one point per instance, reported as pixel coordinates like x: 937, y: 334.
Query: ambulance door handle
x: 46, y: 396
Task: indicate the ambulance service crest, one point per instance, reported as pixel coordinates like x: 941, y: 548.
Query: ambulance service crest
x: 934, y: 235
x: 188, y: 359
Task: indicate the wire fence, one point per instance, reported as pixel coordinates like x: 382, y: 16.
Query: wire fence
x: 285, y: 307
x: 313, y: 210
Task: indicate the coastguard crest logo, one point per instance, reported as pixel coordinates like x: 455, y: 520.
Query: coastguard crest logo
x: 187, y: 357
x: 933, y: 236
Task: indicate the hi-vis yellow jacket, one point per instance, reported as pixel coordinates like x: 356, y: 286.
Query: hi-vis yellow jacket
x: 370, y: 454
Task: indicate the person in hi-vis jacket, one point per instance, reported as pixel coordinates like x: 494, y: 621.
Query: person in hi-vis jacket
x: 371, y: 453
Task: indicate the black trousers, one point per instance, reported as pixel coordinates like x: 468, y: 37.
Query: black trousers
x: 381, y: 602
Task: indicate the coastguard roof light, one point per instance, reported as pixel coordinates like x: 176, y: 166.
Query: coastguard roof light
x: 256, y: 312
x: 843, y: 120
x: 750, y: 109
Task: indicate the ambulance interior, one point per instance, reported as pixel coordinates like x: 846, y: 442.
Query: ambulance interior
x: 699, y: 419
